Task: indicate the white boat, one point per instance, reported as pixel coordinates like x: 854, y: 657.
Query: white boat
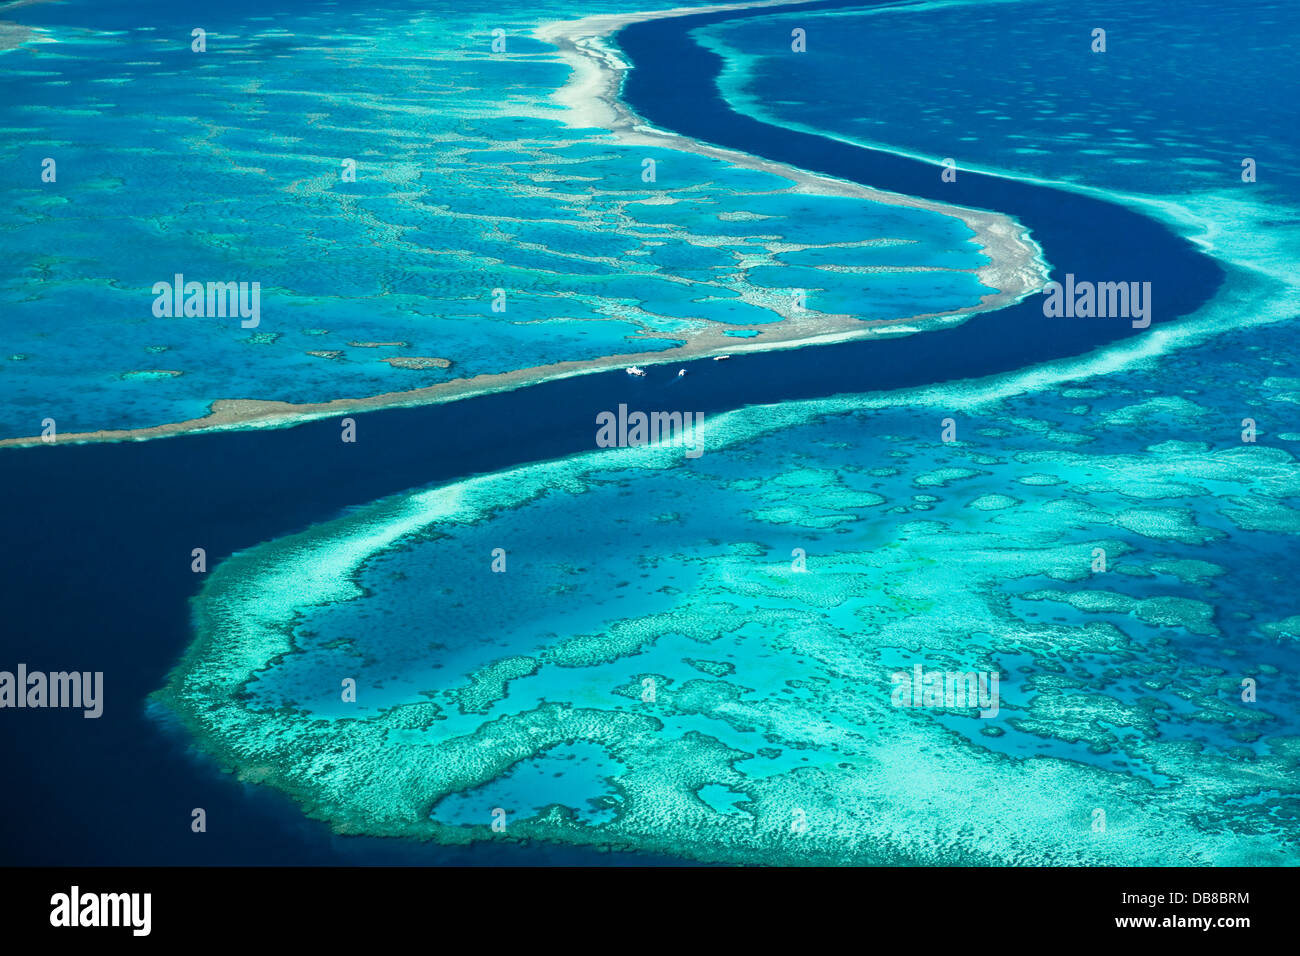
x: 721, y: 358
x: 681, y: 372
x: 636, y: 370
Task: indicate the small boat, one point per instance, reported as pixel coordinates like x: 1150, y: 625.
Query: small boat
x: 721, y: 358
x: 636, y: 370
x: 681, y: 372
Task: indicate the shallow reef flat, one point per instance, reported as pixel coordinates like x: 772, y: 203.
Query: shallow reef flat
x: 696, y: 657
x: 490, y: 238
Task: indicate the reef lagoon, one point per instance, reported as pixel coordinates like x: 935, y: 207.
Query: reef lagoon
x: 771, y: 682
x: 425, y: 219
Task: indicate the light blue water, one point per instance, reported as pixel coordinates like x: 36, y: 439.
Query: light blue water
x: 225, y: 165
x: 960, y: 556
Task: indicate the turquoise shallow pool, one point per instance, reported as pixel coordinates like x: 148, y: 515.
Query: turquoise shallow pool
x: 467, y: 181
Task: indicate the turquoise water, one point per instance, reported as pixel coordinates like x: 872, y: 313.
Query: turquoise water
x: 468, y: 180
x: 770, y: 686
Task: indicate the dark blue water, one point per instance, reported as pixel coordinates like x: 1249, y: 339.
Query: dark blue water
x: 94, y: 571
x: 1092, y: 238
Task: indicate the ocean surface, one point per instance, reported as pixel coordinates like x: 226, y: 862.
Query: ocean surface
x: 682, y: 655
